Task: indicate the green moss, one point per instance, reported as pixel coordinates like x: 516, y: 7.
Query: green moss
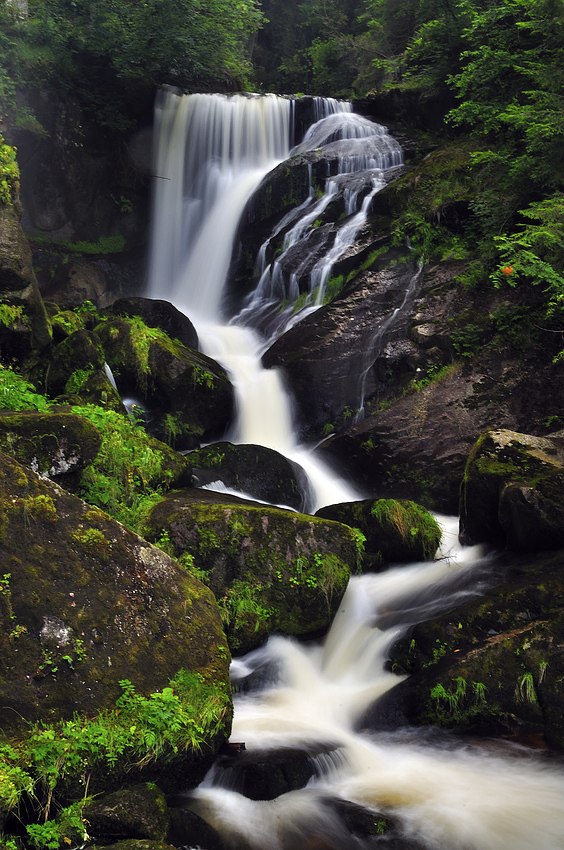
x: 411, y: 522
x: 9, y: 174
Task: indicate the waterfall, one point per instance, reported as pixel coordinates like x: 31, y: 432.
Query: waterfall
x: 211, y: 153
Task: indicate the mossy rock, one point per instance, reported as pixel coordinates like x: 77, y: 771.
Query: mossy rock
x: 255, y: 470
x: 157, y: 314
x: 73, y: 361
x: 139, y: 811
x: 86, y: 604
x: 513, y: 492
x: 494, y: 665
x: 395, y: 531
x: 53, y: 444
x: 135, y: 844
x: 64, y: 322
x: 271, y: 570
x: 17, y: 278
x: 188, y: 395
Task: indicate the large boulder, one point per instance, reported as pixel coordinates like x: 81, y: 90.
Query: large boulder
x: 86, y: 605
x: 139, y: 811
x: 270, y: 569
x: 494, y: 665
x: 188, y: 395
x: 328, y: 357
x: 54, y: 444
x: 259, y: 472
x: 512, y: 491
x: 395, y: 531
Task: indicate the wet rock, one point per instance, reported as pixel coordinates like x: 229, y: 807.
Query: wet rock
x: 264, y: 776
x: 137, y: 844
x: 494, y: 665
x: 395, y: 531
x: 271, y: 570
x: 259, y: 472
x: 512, y: 492
x: 79, y: 281
x: 187, y: 829
x: 139, y: 811
x: 88, y: 604
x: 328, y: 357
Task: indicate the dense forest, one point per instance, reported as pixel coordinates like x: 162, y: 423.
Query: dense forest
x: 475, y: 217
x: 492, y: 70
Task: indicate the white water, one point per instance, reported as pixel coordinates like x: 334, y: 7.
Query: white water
x: 447, y: 796
x: 212, y: 152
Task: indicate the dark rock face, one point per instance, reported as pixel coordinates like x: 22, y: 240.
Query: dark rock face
x: 271, y: 570
x: 17, y: 280
x: 70, y: 173
x: 136, y: 812
x: 328, y: 357
x: 89, y: 603
x: 512, y: 492
x: 394, y: 531
x: 493, y: 666
x: 255, y: 470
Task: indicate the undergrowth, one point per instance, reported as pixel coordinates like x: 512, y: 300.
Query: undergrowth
x: 180, y: 718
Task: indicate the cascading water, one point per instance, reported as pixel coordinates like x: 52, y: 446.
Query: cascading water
x: 446, y: 796
x: 443, y: 795
x: 212, y: 151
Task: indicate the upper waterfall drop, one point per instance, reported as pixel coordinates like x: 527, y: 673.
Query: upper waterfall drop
x: 212, y: 150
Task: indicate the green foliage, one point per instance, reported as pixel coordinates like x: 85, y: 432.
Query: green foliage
x: 9, y: 173
x: 180, y: 718
x: 128, y: 474
x: 411, y: 521
x: 11, y: 315
x: 18, y: 394
x: 459, y: 704
x: 125, y: 48
x: 241, y: 604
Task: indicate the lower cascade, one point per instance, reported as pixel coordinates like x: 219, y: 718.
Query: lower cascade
x: 323, y: 699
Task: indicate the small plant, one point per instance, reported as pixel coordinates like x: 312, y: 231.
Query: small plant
x: 525, y: 689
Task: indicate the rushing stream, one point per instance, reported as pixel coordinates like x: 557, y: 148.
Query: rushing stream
x: 212, y: 153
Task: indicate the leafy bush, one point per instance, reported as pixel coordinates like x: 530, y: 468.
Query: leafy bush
x: 18, y: 394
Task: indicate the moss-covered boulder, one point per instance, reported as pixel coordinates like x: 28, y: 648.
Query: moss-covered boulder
x: 139, y: 811
x: 257, y: 471
x: 395, y: 531
x: 495, y: 665
x: 157, y: 314
x: 189, y: 395
x: 78, y: 368
x: 270, y: 569
x: 513, y: 492
x: 86, y: 604
x: 53, y: 444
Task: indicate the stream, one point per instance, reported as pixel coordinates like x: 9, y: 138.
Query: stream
x: 212, y: 153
